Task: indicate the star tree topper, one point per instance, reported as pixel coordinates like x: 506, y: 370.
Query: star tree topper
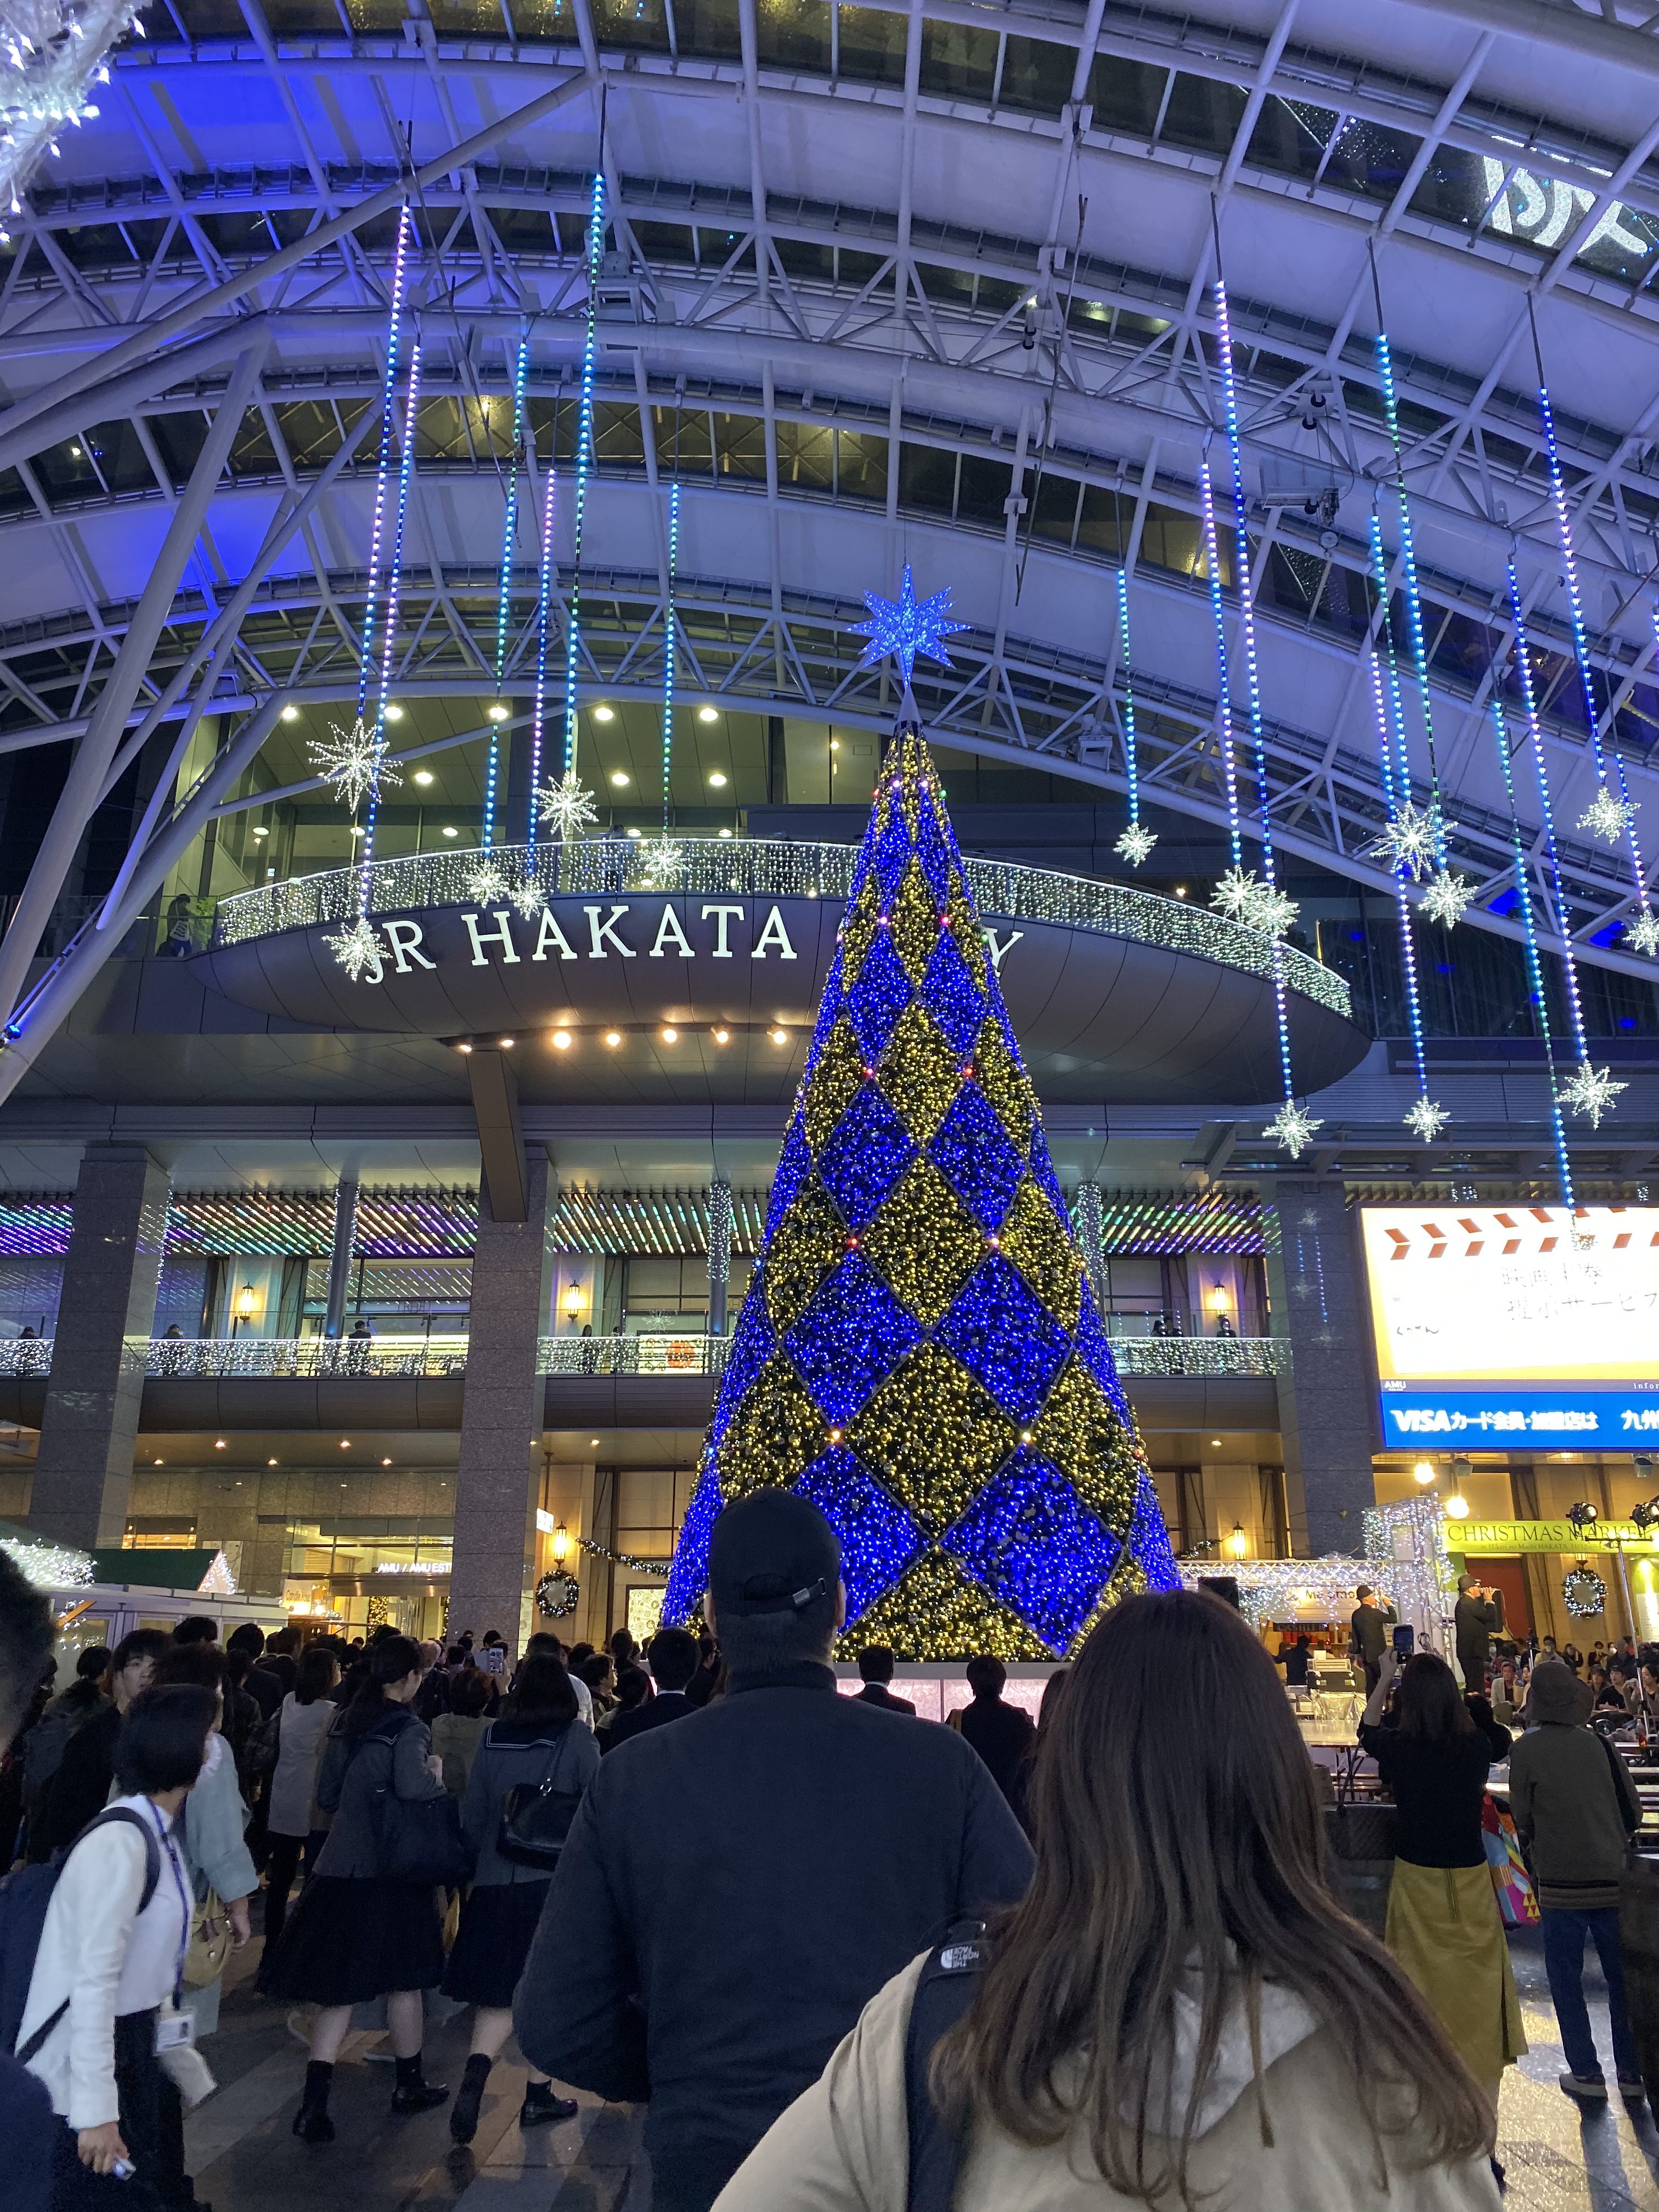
x: 906, y: 626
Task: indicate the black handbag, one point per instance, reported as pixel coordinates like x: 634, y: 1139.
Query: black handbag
x: 420, y: 1838
x: 536, y: 1818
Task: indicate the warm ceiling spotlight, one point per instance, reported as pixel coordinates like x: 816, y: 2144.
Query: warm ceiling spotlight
x: 497, y: 713
x: 592, y: 1443
x: 394, y: 713
x: 449, y: 831
x: 561, y: 1040
x: 619, y: 777
x: 604, y: 714
x: 262, y: 833
x: 726, y: 833
x: 424, y: 776
x: 271, y: 1462
x: 716, y: 781
x: 722, y: 1036
x: 1181, y: 891
x: 835, y: 745
x: 290, y: 713
x: 613, y: 1038
x: 218, y: 1443
x: 386, y: 1462
x: 780, y: 1036
x: 708, y: 713
x: 158, y: 1462
x: 1581, y: 1517
x: 1425, y: 1471
x: 633, y: 833
x: 345, y: 1444
x: 506, y: 1043
x: 1457, y: 1506
x: 670, y: 1036
x: 463, y: 1048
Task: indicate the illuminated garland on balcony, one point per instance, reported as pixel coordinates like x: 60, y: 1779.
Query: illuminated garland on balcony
x: 1426, y: 1119
x: 584, y: 463
x: 1137, y: 841
x: 1535, y: 965
x: 504, y: 593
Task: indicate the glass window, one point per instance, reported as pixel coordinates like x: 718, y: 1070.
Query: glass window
x: 1290, y: 136
x: 927, y: 477
x: 806, y: 455
x: 1370, y: 159
x: 1203, y: 113
x: 739, y: 445
x: 957, y: 62
x: 795, y: 34
x: 1126, y: 95
x: 871, y: 45
x: 860, y: 465
x: 1036, y: 76
x: 708, y: 26
x: 982, y: 489
x: 631, y: 23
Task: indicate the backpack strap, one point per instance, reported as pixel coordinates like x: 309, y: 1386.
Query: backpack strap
x: 948, y: 1985
x: 122, y: 1816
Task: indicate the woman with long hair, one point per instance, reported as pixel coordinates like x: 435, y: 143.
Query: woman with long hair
x: 357, y: 1934
x: 537, y: 1741
x: 296, y: 1732
x: 1177, y: 2014
x: 1443, y: 1923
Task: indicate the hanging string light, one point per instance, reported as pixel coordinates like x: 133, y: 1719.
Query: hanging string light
x: 584, y: 465
x: 1262, y: 904
x: 393, y: 592
x: 544, y: 575
x: 1426, y: 1119
x: 661, y: 858
x: 1224, y: 713
x: 504, y: 589
x: 1590, y: 1091
x: 1137, y: 841
x: 1535, y: 965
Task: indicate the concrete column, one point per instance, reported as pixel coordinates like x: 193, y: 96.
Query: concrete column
x: 83, y: 1469
x: 1328, y: 1414
x: 498, y: 1480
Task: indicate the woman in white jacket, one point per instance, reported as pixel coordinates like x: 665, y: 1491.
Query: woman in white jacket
x: 108, y: 1969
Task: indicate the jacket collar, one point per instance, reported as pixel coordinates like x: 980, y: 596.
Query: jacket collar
x: 805, y: 1674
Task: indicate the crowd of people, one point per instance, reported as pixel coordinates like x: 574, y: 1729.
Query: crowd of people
x: 845, y: 1957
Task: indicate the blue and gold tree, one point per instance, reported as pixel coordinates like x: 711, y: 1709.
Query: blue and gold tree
x: 919, y: 1351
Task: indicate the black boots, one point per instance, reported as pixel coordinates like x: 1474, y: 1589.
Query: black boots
x: 414, y: 2092
x: 464, y: 2119
x: 540, y: 2104
x: 311, y: 2123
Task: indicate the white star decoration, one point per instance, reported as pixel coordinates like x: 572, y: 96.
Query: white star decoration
x: 1606, y: 815
x: 1426, y: 1120
x: 1446, y: 897
x: 1591, y: 1092
x: 1135, y: 843
x: 1271, y: 912
x: 354, y: 760
x: 661, y: 860
x: 1236, y: 894
x: 528, y: 898
x: 1642, y: 935
x: 487, y: 885
x: 567, y: 808
x: 1292, y: 1128
x: 357, y: 949
x: 906, y: 626
x: 1413, y: 841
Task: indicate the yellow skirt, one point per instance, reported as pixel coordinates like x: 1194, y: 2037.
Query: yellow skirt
x: 1445, y: 1929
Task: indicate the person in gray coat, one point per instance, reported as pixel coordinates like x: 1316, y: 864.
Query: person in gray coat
x: 356, y: 1933
x: 538, y: 1741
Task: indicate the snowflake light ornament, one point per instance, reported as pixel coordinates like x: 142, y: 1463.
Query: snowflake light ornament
x: 1135, y: 843
x: 1591, y: 1092
x: 1271, y: 912
x: 1641, y: 934
x: 566, y: 808
x: 1606, y: 815
x: 357, y: 949
x: 1292, y: 1128
x: 661, y: 860
x: 1237, y: 893
x: 354, y: 760
x: 906, y: 626
x: 1426, y: 1120
x: 1412, y: 840
x: 1446, y: 897
x: 487, y: 886
x: 527, y: 898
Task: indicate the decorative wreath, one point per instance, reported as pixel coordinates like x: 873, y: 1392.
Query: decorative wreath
x: 1584, y: 1593
x: 556, y: 1593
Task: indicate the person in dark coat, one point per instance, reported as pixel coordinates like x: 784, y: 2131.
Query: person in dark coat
x: 1370, y: 1628
x: 829, y: 1843
x: 876, y: 1672
x: 538, y: 1742
x: 357, y: 1934
x: 27, y: 2128
x: 80, y: 1789
x: 671, y: 1656
x: 1474, y: 1621
x: 1000, y: 1733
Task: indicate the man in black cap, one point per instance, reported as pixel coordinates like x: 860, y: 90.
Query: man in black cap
x: 736, y: 1888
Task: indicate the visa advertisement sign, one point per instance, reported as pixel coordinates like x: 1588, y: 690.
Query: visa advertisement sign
x: 1498, y: 1326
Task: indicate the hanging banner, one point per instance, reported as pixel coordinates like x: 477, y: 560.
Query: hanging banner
x: 1506, y: 1536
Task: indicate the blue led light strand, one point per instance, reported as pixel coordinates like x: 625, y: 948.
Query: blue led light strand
x: 1131, y: 761
x: 584, y: 463
x: 1392, y: 788
x: 1413, y: 603
x: 544, y: 575
x: 393, y: 592
x: 1564, y: 920
x: 388, y: 446
x: 1535, y: 965
x: 504, y: 586
x: 1224, y: 718
x: 670, y: 619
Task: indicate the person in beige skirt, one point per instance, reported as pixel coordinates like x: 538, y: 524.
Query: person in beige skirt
x: 1176, y: 2014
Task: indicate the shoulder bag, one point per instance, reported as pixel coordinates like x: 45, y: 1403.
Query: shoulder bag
x: 420, y: 1838
x: 536, y: 1817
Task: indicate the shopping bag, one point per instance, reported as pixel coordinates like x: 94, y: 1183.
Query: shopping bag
x: 1517, y: 1900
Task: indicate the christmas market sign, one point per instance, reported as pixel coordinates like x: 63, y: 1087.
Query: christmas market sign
x: 1505, y: 1536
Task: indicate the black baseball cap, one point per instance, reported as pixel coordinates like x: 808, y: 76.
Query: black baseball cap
x: 771, y: 1551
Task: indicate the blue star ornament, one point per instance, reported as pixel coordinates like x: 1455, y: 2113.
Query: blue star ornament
x: 906, y: 626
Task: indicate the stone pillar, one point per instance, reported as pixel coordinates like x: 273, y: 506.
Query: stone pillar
x: 498, y: 1480
x: 83, y: 1469
x: 1328, y: 1412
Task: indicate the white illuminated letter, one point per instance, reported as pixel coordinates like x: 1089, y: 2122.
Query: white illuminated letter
x: 503, y: 937
x: 598, y: 931
x: 999, y: 952
x: 410, y: 945
x: 774, y: 934
x: 550, y: 933
x: 722, y: 916
x: 667, y: 928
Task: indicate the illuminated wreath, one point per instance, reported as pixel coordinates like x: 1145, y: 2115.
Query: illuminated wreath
x: 556, y: 1593
x: 1584, y: 1593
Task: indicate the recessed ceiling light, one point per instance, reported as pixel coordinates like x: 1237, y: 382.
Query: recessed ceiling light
x: 717, y: 782
x: 722, y: 1036
x: 394, y: 713
x: 670, y: 1036
x: 780, y: 1036
x: 708, y: 713
x: 613, y: 1037
x: 290, y: 713
x: 497, y: 713
x: 218, y: 1443
x: 604, y: 714
x: 262, y: 833
x: 345, y: 1444
x: 592, y: 1443
x: 450, y: 830
x: 1181, y: 891
x: 561, y: 1040
x: 271, y: 1462
x: 463, y: 1048
x: 835, y: 745
x: 159, y: 1463
x: 386, y: 1462
x: 633, y: 833
x: 619, y: 777
x: 1215, y: 1443
x: 506, y: 1043
x: 424, y: 776
x: 725, y: 833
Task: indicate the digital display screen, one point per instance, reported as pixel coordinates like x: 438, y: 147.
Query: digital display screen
x: 1480, y: 1314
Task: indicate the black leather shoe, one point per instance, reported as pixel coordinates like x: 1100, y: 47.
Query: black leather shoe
x: 540, y: 2105
x: 419, y: 2096
x: 311, y: 2126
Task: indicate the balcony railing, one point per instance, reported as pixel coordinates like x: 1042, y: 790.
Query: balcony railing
x: 399, y: 1357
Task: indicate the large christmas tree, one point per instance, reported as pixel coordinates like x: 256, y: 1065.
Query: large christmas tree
x: 919, y: 1351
